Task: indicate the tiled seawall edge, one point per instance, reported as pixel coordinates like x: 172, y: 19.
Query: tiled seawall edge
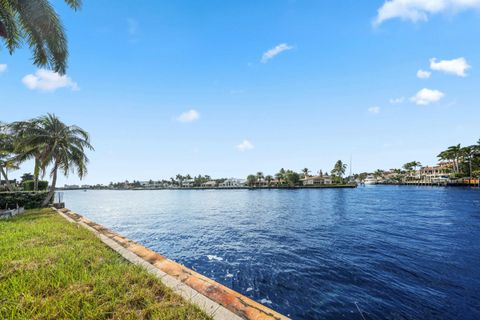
x: 215, y: 299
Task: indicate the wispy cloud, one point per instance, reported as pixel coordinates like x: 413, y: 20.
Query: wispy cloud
x: 133, y: 30
x: 3, y: 68
x: 46, y: 80
x: 427, y: 96
x: 420, y: 10
x: 245, y: 146
x: 270, y: 54
x: 189, y: 116
x: 456, y: 67
x: 396, y: 100
x: 422, y: 74
x: 374, y: 110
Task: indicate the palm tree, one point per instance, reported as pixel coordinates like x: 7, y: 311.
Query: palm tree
x: 455, y: 153
x: 269, y: 179
x: 26, y: 177
x: 280, y: 175
x: 306, y: 172
x: 260, y: 176
x: 63, y: 148
x: 378, y: 173
x: 251, y: 180
x: 339, y: 168
x: 416, y: 164
x: 292, y: 178
x: 25, y: 150
x: 35, y: 22
x: 6, y: 155
x: 180, y: 179
x: 469, y: 153
x: 408, y: 166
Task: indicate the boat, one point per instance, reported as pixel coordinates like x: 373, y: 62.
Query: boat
x: 370, y: 180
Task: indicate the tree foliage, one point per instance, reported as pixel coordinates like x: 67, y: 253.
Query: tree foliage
x: 36, y: 23
x: 51, y: 143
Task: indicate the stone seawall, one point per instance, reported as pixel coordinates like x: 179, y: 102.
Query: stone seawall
x: 215, y: 299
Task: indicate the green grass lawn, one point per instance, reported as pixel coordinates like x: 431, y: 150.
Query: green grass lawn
x: 52, y: 269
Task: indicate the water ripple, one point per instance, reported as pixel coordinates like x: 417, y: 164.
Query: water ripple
x: 395, y: 252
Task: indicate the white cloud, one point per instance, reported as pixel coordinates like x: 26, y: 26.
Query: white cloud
x: 245, y: 146
x: 374, y: 110
x: 397, y: 100
x: 455, y: 66
x: 275, y: 51
x: 419, y: 10
x: 46, y: 80
x: 422, y: 74
x: 426, y: 96
x: 3, y: 68
x: 189, y: 116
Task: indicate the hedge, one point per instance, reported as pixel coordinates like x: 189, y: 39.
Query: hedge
x: 28, y: 200
x: 28, y: 185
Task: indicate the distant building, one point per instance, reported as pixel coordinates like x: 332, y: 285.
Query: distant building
x: 435, y: 174
x: 317, y: 180
x: 189, y: 183
x: 72, y: 186
x: 151, y: 184
x: 232, y: 183
x: 210, y: 184
x: 86, y: 186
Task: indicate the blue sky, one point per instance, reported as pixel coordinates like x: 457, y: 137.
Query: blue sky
x: 263, y: 84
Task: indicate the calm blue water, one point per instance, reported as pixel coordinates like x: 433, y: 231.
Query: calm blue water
x: 398, y: 252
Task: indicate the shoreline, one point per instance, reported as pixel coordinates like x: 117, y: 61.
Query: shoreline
x: 335, y: 186
x: 343, y: 186
x: 215, y: 299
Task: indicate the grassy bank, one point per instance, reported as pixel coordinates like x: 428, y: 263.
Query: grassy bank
x: 51, y: 269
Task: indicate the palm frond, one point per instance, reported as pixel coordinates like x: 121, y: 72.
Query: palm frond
x: 37, y: 22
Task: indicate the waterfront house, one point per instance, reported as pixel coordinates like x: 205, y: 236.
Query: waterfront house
x: 435, y: 174
x: 233, y: 183
x: 189, y: 183
x: 72, y: 186
x: 209, y: 184
x: 317, y: 180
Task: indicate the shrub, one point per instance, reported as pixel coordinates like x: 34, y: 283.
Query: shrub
x: 29, y: 200
x: 28, y: 185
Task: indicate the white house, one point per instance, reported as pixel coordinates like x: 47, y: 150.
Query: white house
x: 317, y: 180
x: 188, y: 183
x: 210, y: 184
x: 150, y: 184
x: 232, y: 183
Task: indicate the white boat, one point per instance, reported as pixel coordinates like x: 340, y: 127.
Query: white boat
x: 370, y: 180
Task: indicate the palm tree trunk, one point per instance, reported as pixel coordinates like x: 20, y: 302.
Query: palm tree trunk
x: 36, y: 173
x: 51, y: 193
x: 7, y: 182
